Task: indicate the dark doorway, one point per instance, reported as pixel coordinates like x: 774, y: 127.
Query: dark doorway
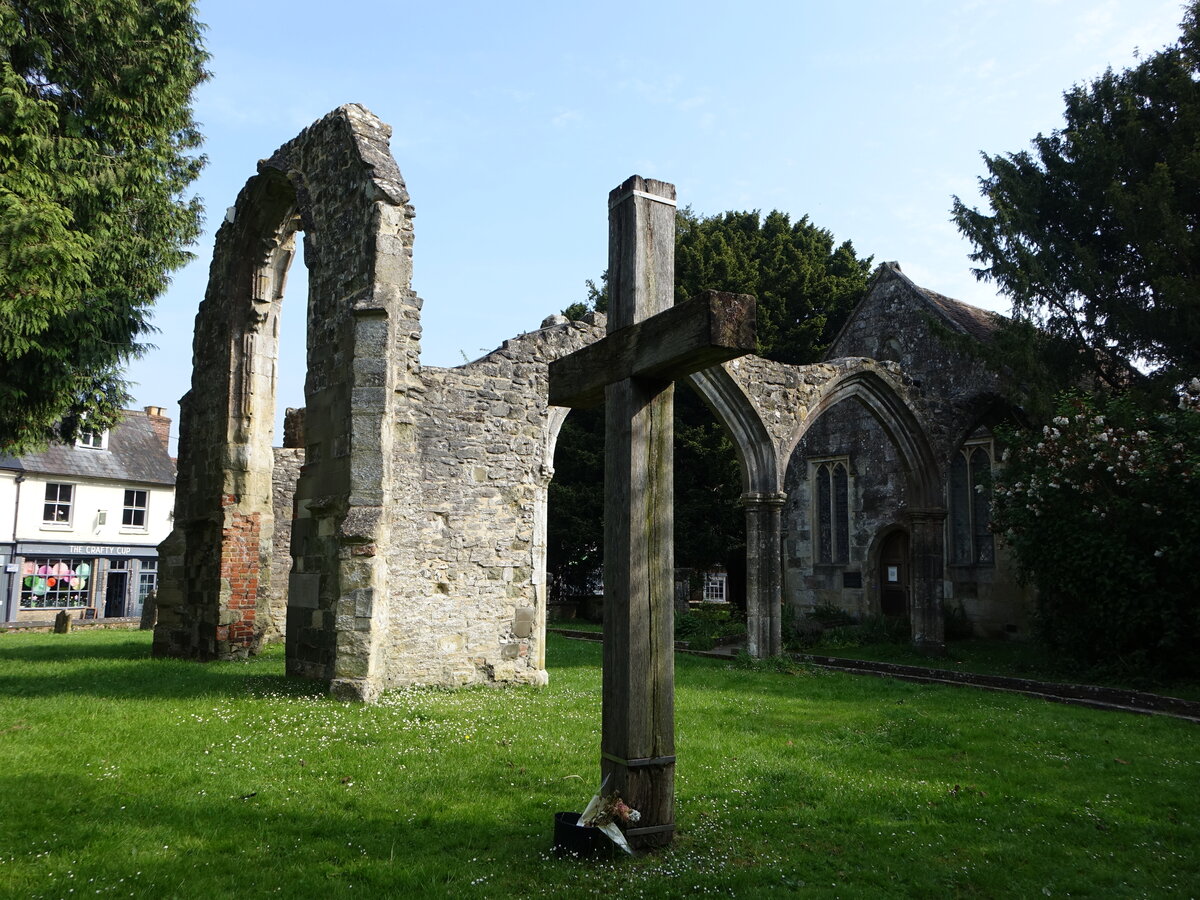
x: 114, y: 594
x: 893, y: 575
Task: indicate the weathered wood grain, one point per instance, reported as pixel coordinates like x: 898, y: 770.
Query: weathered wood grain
x: 649, y: 344
x: 711, y: 328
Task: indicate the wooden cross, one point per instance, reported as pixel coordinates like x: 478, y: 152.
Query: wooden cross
x: 649, y: 344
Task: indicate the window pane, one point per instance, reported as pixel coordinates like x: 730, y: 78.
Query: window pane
x: 58, y: 503
x: 841, y: 508
x: 824, y: 519
x: 981, y: 505
x: 714, y: 588
x: 960, y: 511
x: 55, y: 583
x: 134, y: 515
x: 147, y: 579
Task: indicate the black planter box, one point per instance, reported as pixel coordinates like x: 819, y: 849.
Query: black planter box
x: 585, y: 843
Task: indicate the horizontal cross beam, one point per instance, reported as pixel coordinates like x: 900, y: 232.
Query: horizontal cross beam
x: 712, y: 327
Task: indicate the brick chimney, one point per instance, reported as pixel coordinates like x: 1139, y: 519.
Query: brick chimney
x: 161, y: 425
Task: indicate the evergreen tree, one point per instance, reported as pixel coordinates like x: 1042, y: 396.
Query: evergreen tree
x: 806, y: 286
x: 1095, y: 237
x: 95, y: 133
x: 575, y: 531
x: 1095, y: 234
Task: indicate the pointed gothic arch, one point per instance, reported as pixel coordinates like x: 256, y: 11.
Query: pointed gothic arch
x: 926, y: 513
x: 339, y: 184
x: 898, y: 421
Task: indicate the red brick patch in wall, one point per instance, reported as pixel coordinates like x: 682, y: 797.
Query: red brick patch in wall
x: 240, y: 569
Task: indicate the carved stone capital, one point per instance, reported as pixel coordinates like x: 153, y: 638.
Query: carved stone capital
x: 753, y: 499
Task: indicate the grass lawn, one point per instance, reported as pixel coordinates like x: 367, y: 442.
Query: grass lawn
x: 127, y: 776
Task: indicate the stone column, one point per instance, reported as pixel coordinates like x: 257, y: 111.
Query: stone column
x: 928, y: 574
x: 764, y: 573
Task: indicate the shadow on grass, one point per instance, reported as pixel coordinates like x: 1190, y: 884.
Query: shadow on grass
x: 570, y: 653
x: 97, y: 665
x: 67, y: 647
x: 104, y: 666
x: 150, y: 679
x: 781, y: 815
x: 181, y: 844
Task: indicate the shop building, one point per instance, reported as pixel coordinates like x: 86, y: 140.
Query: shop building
x: 80, y: 524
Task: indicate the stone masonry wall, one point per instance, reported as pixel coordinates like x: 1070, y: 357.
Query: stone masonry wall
x: 903, y: 325
x: 273, y: 602
x: 924, y: 339
x: 877, y: 498
x: 785, y: 397
x: 467, y: 563
x: 418, y: 516
x: 338, y: 183
x: 363, y: 340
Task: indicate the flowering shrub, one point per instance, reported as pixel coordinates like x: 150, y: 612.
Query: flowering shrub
x: 1102, y: 510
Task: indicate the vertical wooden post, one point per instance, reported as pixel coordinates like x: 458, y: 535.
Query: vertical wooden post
x: 638, y: 739
x: 650, y: 343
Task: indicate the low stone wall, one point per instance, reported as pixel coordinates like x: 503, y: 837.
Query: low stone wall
x: 127, y: 623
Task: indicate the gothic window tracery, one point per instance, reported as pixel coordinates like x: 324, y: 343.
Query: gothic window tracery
x: 832, y: 511
x: 971, y: 539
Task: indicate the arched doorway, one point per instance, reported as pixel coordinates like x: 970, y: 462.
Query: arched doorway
x: 893, y: 579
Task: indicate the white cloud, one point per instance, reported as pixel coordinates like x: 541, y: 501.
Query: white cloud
x: 567, y: 117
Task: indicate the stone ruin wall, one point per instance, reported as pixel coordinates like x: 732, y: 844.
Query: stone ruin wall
x: 363, y: 339
x: 944, y: 385
x: 273, y: 612
x: 951, y: 390
x: 417, y: 547
x: 339, y: 184
x: 289, y: 459
x: 785, y: 397
x: 466, y: 598
x: 468, y: 564
x: 878, y: 495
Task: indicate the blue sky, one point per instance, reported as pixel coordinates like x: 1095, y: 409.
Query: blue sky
x: 512, y: 121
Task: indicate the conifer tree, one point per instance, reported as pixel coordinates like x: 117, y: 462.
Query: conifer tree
x: 1095, y: 234
x: 806, y: 286
x: 96, y: 134
x: 1095, y: 237
x: 804, y: 283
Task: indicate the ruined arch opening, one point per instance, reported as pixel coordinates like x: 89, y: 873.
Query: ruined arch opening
x: 864, y: 429
x: 983, y: 596
x: 710, y: 528
x: 261, y: 478
x: 281, y: 420
x: 844, y: 482
x: 338, y: 183
x: 216, y: 575
x: 575, y: 519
